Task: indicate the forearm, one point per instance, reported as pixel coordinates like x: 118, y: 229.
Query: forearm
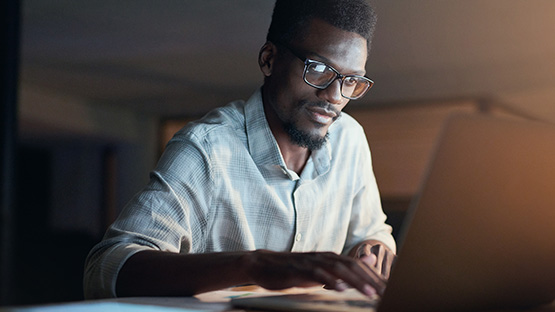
x: 156, y: 273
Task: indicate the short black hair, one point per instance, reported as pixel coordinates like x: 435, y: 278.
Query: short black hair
x: 291, y: 17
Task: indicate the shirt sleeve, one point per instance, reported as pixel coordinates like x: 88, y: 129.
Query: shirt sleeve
x: 164, y: 216
x: 368, y: 221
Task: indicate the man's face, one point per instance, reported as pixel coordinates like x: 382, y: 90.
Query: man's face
x: 305, y: 112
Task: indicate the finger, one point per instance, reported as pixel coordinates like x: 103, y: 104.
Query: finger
x: 329, y: 267
x: 364, y: 251
x: 390, y: 258
x: 372, y: 277
x: 329, y: 281
x: 354, y: 280
x: 387, y: 264
x: 369, y: 260
x: 365, y: 280
x: 379, y: 251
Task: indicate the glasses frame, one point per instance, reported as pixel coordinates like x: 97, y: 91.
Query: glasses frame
x: 307, y: 62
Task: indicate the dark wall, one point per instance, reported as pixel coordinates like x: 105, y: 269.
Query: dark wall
x: 49, y: 260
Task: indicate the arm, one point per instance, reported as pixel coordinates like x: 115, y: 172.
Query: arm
x: 169, y: 274
x: 372, y: 241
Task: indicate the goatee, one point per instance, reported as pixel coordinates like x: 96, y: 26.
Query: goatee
x: 304, y: 139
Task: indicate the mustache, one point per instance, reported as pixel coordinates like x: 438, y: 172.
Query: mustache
x: 327, y: 106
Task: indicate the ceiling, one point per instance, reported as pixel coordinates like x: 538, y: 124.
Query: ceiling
x: 180, y: 58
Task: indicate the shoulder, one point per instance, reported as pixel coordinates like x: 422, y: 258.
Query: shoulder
x: 205, y: 142
x: 227, y: 122
x: 201, y: 145
x: 348, y: 140
x: 346, y: 127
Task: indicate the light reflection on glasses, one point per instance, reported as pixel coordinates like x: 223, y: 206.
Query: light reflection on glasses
x: 320, y: 75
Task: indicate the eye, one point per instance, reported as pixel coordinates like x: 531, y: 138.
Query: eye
x: 350, y: 81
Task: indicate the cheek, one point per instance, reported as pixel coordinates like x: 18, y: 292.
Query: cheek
x: 292, y: 95
x: 283, y: 86
x: 290, y: 81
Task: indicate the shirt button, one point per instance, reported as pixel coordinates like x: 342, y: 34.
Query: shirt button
x: 298, y: 237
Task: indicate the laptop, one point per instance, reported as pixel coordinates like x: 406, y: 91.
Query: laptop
x: 480, y: 234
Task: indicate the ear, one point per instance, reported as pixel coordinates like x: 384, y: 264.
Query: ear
x: 266, y: 58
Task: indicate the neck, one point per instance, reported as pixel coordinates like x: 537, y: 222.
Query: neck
x: 295, y: 156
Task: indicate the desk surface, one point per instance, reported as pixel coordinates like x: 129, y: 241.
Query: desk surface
x: 215, y: 301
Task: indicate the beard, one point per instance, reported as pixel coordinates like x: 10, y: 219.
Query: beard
x: 304, y: 138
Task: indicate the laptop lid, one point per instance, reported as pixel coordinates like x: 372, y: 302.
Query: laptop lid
x: 481, y: 233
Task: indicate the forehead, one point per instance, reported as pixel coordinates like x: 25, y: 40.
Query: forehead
x: 344, y: 50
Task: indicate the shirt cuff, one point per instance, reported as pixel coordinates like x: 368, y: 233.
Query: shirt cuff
x: 102, y: 269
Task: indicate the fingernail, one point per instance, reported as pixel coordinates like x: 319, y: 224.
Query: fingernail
x: 369, y: 290
x: 341, y: 286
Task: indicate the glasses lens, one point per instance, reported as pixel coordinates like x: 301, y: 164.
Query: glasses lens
x: 319, y: 75
x: 354, y: 87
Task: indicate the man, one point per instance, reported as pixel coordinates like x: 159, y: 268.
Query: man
x: 277, y: 191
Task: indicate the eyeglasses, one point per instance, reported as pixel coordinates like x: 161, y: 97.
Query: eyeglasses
x: 320, y: 75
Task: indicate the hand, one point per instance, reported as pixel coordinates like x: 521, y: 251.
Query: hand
x: 279, y: 270
x: 376, y: 255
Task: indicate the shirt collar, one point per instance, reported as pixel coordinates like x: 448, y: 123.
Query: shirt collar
x: 262, y: 144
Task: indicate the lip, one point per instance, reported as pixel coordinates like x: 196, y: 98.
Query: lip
x: 321, y: 115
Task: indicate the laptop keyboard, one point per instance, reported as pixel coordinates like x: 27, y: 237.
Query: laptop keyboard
x: 351, y: 303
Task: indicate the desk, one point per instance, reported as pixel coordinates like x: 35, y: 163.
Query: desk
x: 216, y: 301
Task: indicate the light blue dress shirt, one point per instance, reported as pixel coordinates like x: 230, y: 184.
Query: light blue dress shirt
x: 222, y: 185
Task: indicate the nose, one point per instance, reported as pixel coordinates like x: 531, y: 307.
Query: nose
x: 332, y: 94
